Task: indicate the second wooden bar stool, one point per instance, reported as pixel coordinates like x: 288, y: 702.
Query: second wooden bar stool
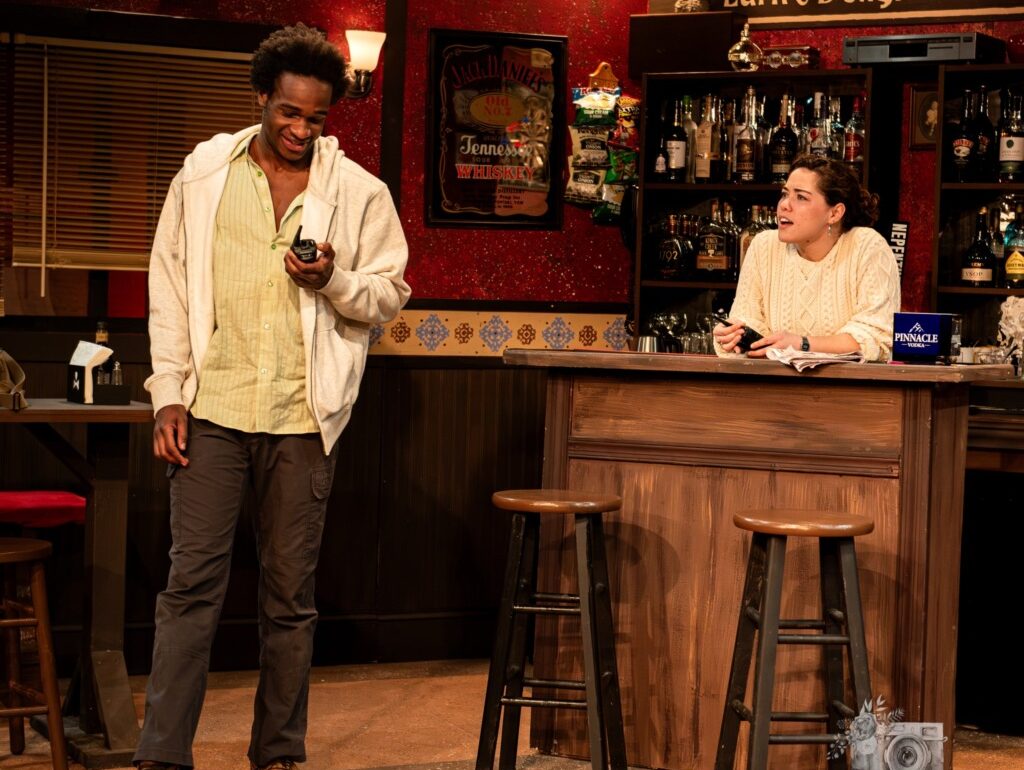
x: 520, y: 598
x: 759, y: 612
x: 16, y: 551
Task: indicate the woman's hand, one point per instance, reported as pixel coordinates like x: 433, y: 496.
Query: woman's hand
x: 728, y: 336
x: 781, y: 340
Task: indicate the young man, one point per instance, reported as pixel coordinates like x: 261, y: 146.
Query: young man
x: 257, y: 358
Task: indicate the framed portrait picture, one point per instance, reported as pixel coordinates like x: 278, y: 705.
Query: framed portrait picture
x: 495, y: 129
x: 925, y: 114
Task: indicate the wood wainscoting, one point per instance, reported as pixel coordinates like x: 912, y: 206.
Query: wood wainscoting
x: 413, y: 553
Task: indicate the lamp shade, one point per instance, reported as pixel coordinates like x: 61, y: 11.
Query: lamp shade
x: 364, y: 48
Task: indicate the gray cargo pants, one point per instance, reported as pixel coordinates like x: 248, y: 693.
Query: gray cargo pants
x: 291, y: 478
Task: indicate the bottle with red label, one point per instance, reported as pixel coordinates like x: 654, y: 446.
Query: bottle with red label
x: 853, y: 140
x: 960, y: 143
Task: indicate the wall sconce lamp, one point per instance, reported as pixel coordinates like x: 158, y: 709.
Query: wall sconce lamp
x: 363, y: 53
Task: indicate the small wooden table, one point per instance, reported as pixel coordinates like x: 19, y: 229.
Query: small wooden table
x: 108, y: 730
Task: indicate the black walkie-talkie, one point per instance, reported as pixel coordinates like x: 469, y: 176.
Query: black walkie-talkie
x: 749, y: 335
x: 304, y: 248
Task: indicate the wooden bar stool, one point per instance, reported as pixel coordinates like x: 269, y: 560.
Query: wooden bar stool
x: 14, y: 552
x: 759, y: 612
x: 507, y: 679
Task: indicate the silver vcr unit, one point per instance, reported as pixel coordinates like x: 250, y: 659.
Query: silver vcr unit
x: 953, y: 47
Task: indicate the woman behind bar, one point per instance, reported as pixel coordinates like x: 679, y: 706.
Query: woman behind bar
x: 825, y: 281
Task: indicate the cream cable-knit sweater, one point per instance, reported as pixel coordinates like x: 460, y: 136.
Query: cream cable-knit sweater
x: 854, y: 290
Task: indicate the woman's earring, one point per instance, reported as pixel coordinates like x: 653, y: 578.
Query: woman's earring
x: 829, y: 229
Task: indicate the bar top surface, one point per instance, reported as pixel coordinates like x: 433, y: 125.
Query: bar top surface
x: 673, y: 363
x: 56, y: 410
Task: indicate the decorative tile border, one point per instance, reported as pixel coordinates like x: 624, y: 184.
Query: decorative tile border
x: 466, y: 333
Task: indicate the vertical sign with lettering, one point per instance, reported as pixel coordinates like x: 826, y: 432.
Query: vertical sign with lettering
x: 496, y: 114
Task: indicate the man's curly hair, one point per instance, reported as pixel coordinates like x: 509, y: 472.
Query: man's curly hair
x: 300, y: 50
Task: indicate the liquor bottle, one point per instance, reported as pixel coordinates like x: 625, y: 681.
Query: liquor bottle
x: 800, y: 129
x: 764, y: 137
x: 708, y: 143
x: 747, y: 234
x: 690, y: 127
x: 1011, y: 143
x: 853, y: 140
x: 732, y: 244
x: 1013, y: 271
x: 985, y: 147
x: 675, y: 145
x: 712, y: 259
x: 670, y: 248
x: 978, y: 261
x: 836, y: 148
x: 960, y: 144
x: 746, y: 55
x: 819, y: 133
x: 727, y: 141
x: 745, y: 156
x: 995, y: 239
x: 783, y: 145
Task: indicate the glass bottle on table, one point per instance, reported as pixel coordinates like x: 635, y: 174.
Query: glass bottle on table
x: 101, y: 373
x: 978, y: 262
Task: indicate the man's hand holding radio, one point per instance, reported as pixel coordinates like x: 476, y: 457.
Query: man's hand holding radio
x: 311, y: 275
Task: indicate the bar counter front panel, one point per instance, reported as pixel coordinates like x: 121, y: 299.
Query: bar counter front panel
x: 688, y: 448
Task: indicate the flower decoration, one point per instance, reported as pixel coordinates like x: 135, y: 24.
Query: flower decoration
x: 862, y: 734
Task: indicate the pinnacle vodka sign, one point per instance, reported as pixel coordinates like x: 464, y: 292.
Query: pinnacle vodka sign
x: 917, y: 336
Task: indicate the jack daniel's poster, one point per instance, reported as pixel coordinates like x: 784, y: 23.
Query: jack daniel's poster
x: 496, y: 113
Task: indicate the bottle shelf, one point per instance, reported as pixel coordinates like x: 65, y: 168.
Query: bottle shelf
x: 996, y: 187
x: 995, y: 291
x: 667, y: 284
x: 706, y: 188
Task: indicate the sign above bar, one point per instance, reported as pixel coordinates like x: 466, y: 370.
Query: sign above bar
x: 798, y: 13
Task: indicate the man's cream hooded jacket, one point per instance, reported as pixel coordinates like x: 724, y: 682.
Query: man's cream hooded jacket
x: 344, y: 205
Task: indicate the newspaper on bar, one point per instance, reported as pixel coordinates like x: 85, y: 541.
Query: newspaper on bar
x: 801, y: 360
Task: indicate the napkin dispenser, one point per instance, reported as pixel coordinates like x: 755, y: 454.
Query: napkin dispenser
x: 83, y: 387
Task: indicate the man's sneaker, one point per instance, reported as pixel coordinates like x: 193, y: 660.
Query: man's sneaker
x: 277, y: 764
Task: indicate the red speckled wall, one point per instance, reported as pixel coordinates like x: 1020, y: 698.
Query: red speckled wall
x: 582, y: 262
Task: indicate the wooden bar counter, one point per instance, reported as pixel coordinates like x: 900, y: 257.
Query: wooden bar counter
x: 688, y: 440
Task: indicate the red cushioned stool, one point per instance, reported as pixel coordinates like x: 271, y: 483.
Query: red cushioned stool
x: 41, y: 509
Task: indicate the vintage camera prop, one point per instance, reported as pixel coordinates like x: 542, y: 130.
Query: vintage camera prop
x: 912, y: 746
x: 925, y: 338
x: 304, y: 248
x: 749, y: 335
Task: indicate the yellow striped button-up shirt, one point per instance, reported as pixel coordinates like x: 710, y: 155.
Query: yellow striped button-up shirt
x: 253, y: 376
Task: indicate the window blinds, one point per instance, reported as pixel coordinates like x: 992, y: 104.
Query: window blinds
x: 98, y: 132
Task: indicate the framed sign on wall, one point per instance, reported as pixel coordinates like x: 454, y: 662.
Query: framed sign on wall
x: 495, y: 129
